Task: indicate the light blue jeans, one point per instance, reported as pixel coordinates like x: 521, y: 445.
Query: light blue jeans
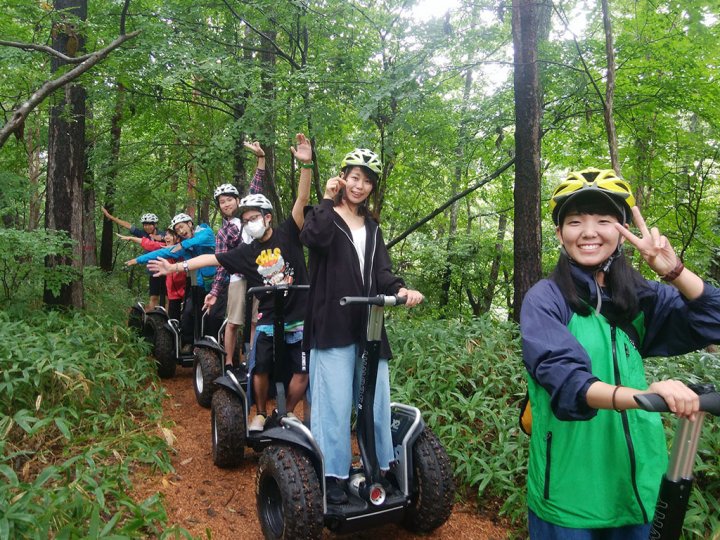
x: 335, y: 382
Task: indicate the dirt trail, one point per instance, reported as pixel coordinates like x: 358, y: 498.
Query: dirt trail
x: 220, y: 504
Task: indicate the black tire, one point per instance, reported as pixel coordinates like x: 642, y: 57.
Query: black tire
x: 135, y: 320
x: 153, y: 323
x: 287, y: 494
x: 206, y: 368
x: 433, y: 490
x: 228, y: 428
x: 164, y: 352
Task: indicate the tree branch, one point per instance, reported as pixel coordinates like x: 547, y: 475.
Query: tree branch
x: 505, y: 166
x: 21, y: 113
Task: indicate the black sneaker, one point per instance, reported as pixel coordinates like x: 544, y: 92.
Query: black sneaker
x: 334, y: 492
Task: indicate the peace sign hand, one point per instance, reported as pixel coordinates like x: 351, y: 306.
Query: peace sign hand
x: 654, y: 247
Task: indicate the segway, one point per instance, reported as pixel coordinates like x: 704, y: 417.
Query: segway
x: 230, y: 402
x: 136, y: 318
x: 166, y: 336
x: 290, y: 484
x: 677, y: 482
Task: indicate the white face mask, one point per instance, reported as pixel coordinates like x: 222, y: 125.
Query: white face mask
x: 256, y: 228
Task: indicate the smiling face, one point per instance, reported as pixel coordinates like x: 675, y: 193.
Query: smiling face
x: 228, y: 205
x: 589, y: 239
x: 149, y: 228
x: 358, y: 185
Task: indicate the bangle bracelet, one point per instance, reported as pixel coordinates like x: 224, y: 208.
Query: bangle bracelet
x: 614, y: 406
x: 675, y: 272
x: 308, y: 165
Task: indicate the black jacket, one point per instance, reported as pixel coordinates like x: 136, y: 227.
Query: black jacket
x: 335, y: 272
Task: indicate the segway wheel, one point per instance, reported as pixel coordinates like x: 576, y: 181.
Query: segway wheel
x: 164, y: 352
x: 135, y: 320
x: 228, y: 428
x: 287, y: 493
x: 153, y: 323
x: 433, y: 489
x: 206, y: 368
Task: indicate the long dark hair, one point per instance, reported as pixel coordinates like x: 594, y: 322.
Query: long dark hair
x: 363, y: 209
x: 622, y: 280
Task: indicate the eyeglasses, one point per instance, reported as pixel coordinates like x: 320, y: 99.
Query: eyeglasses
x: 251, y: 219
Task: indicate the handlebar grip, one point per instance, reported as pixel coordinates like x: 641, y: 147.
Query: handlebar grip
x: 379, y: 300
x: 272, y: 288
x: 709, y: 403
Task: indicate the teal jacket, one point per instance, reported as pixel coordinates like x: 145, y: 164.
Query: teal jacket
x: 593, y: 468
x: 201, y: 243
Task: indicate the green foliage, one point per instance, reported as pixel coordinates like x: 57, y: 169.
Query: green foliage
x: 467, y: 377
x: 23, y: 261
x: 79, y: 411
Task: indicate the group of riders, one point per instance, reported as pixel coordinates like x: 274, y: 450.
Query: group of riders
x: 594, y: 457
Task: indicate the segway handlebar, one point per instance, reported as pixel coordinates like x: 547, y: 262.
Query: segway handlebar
x: 379, y: 300
x: 709, y: 400
x: 281, y: 287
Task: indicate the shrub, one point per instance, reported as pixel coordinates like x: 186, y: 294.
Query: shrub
x: 79, y: 409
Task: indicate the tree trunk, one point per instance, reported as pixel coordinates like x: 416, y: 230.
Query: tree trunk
x: 106, y: 247
x: 527, y: 232
x: 268, y: 59
x: 610, y: 89
x: 32, y: 144
x: 489, y: 292
x: 66, y: 158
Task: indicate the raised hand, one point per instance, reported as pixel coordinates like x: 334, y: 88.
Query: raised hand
x: 654, y: 247
x: 303, y: 149
x: 255, y: 148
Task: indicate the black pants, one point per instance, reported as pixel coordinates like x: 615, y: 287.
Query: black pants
x: 213, y: 320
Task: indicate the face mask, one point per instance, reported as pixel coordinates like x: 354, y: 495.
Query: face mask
x: 256, y: 228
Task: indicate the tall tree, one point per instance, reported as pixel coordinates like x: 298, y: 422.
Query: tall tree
x: 66, y: 152
x: 527, y: 231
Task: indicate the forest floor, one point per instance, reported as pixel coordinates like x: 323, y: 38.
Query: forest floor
x: 216, y: 503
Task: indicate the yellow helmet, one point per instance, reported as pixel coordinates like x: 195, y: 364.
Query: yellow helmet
x: 590, y: 180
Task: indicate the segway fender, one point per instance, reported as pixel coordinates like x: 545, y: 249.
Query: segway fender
x: 297, y: 435
x: 210, y: 343
x: 227, y: 382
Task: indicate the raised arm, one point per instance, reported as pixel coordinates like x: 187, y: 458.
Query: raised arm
x: 303, y: 153
x: 112, y: 218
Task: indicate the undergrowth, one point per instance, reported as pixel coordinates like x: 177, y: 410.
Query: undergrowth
x: 79, y: 412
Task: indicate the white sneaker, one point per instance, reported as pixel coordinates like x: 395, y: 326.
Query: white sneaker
x: 291, y: 415
x: 258, y: 423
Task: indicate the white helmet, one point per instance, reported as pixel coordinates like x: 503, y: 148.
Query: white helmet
x: 149, y: 218
x: 180, y: 218
x: 256, y: 200
x: 226, y: 189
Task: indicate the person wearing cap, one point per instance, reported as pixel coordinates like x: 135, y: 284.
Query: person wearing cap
x: 274, y: 257
x: 595, y: 459
x: 194, y: 241
x: 156, y: 286
x: 229, y: 236
x: 347, y: 257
